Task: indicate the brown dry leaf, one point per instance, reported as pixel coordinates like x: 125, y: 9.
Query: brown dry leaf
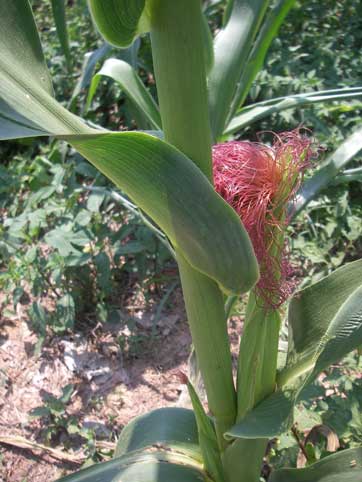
x: 314, y: 436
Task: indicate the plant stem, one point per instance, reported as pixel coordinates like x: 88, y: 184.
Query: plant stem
x: 258, y: 355
x: 177, y: 46
x: 205, y: 312
x: 256, y: 379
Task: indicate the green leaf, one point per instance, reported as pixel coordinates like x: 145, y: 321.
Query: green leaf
x: 349, y: 175
x: 58, y: 7
x: 160, y: 446
x: 153, y: 467
x: 39, y: 412
x: 231, y: 49
x: 344, y: 466
x: 95, y: 201
x: 19, y: 35
x: 88, y: 67
x: 274, y: 18
x: 172, y: 427
x: 208, y: 45
x: 68, y: 391
x: 122, y: 73
x: 159, y: 178
x: 207, y: 438
x: 101, y: 260
x: 17, y: 294
x: 119, y: 21
x: 65, y: 241
x: 27, y: 107
x: 312, y: 313
x: 253, y: 113
x: 64, y: 314
x: 269, y: 418
x: 38, y: 317
x: 335, y: 162
x: 325, y: 324
x: 179, y: 198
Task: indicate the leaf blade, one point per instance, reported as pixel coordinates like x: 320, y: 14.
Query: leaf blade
x: 344, y: 466
x: 142, y: 467
x: 118, y: 21
x: 172, y: 427
x: 325, y: 323
x: 274, y: 19
x: 250, y: 114
x: 122, y: 73
x: 231, y: 48
x: 169, y: 187
x: 311, y: 313
x: 58, y: 7
x: 335, y: 162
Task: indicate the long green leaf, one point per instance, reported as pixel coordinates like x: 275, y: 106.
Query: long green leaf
x: 25, y: 88
x: 325, y: 324
x: 122, y: 73
x: 119, y: 21
x: 255, y: 112
x: 345, y: 466
x: 18, y: 36
x: 311, y: 314
x: 159, y: 446
x: 274, y: 19
x: 208, y: 45
x: 207, y: 437
x: 58, y: 7
x: 88, y: 67
x: 232, y: 47
x: 159, y: 178
x: 320, y: 180
x: 179, y: 198
x: 142, y: 467
x: 173, y: 427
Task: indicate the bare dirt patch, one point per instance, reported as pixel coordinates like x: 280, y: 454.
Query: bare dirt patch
x: 117, y: 370
x: 117, y: 373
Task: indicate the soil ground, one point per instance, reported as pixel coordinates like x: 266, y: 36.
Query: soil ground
x: 117, y: 374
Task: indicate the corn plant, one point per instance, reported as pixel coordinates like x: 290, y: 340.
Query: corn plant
x: 224, y: 247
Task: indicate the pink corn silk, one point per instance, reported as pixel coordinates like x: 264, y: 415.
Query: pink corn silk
x: 258, y: 181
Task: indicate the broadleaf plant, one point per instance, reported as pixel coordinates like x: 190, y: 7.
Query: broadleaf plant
x: 172, y: 181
